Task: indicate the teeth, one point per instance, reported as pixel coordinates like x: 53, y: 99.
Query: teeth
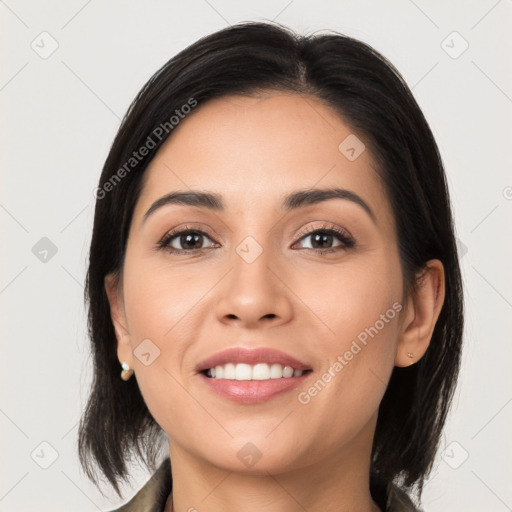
x: 260, y: 371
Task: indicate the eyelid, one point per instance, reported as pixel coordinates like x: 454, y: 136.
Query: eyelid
x: 325, y: 227
x: 172, y: 233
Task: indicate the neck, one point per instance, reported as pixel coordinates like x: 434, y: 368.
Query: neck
x: 337, y: 482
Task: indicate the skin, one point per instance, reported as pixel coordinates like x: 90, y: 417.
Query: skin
x: 253, y: 151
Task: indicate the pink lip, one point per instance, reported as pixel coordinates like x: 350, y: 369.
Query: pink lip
x: 251, y: 356
x: 252, y: 391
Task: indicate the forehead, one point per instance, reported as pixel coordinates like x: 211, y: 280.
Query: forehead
x: 253, y: 150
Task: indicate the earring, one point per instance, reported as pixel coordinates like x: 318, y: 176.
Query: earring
x: 127, y: 372
x: 410, y: 355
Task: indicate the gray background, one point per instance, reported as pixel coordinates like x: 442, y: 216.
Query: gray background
x: 60, y: 113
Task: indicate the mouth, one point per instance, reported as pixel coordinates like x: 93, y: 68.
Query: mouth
x: 252, y: 376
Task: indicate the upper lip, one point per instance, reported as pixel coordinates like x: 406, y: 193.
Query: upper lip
x: 251, y: 356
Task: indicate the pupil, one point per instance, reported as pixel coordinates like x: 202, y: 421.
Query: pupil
x: 188, y: 238
x: 323, y: 239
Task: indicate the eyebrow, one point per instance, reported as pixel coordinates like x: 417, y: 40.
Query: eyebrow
x: 293, y: 201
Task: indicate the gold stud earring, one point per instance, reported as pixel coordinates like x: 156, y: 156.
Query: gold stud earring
x: 127, y: 372
x: 409, y: 354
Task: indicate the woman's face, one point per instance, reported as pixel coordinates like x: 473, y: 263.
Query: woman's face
x: 260, y: 278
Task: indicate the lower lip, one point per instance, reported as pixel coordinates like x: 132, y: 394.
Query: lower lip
x: 252, y: 391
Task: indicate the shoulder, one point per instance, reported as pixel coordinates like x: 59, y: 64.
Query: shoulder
x: 389, y: 496
x: 399, y: 501
x: 153, y: 494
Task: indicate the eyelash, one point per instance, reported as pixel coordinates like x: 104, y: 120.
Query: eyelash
x: 347, y: 241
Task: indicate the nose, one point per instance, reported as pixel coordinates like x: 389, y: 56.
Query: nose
x: 252, y: 295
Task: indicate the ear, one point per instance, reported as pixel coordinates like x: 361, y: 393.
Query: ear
x: 118, y: 315
x: 422, y: 312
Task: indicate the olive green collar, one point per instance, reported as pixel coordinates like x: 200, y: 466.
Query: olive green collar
x: 152, y: 497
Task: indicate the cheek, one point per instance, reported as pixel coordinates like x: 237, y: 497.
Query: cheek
x: 351, y: 298
x: 358, y: 311
x: 160, y: 301
x: 160, y: 314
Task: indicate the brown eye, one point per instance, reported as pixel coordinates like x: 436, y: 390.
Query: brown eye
x: 323, y: 240
x: 184, y: 241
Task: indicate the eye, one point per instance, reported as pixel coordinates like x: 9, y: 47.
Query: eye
x: 322, y: 239
x: 190, y: 240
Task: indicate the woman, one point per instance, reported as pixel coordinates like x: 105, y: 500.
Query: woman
x: 273, y: 269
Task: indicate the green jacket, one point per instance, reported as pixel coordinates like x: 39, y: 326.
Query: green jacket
x: 153, y: 495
